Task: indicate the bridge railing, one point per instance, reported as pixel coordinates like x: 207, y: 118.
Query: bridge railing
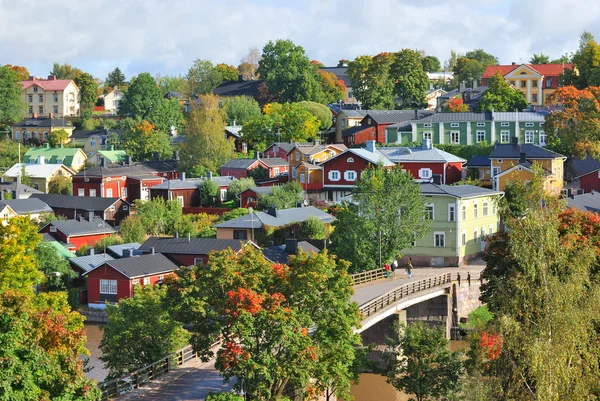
x: 368, y: 276
x: 403, y: 291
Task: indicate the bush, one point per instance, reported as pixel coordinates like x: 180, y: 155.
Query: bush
x: 238, y: 186
x: 208, y: 193
x: 107, y: 241
x: 82, y: 251
x: 223, y: 397
x: 314, y: 228
x: 73, y: 298
x: 234, y: 214
x: 132, y: 229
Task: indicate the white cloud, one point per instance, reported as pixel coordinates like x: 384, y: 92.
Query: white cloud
x: 166, y: 36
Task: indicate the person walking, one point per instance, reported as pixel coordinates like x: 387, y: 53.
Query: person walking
x: 394, y: 267
x: 409, y: 268
x: 386, y: 267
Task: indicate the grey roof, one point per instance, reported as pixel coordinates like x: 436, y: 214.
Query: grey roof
x: 136, y: 169
x: 401, y: 154
x: 285, y: 146
x: 513, y: 151
x: 340, y: 72
x: 354, y: 113
x: 583, y: 167
x: 77, y: 202
x: 355, y: 130
x: 242, y: 164
x: 117, y: 250
x: 238, y: 88
x: 82, y: 227
x: 141, y: 266
x: 479, y: 161
x: 84, y: 134
x: 585, y: 202
x: 456, y: 191
x: 29, y: 205
x: 234, y: 130
x: 284, y: 218
x: 177, y: 184
x: 191, y: 246
x: 451, y: 94
x: 277, y: 254
x: 396, y: 116
x: 89, y: 262
x: 274, y: 161
x: 375, y: 158
x: 260, y: 190
x: 19, y: 188
x: 456, y: 117
x: 521, y: 116
x: 43, y: 122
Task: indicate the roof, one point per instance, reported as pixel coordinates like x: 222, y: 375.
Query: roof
x: 396, y: 116
x: 308, y: 165
x: 310, y: 149
x: 284, y: 218
x: 141, y: 266
x: 61, y: 249
x: 548, y: 70
x: 117, y: 250
x: 259, y: 190
x: 340, y: 72
x: 585, y: 202
x: 277, y: 254
x: 285, y: 146
x: 141, y: 168
x: 82, y: 227
x: 48, y: 84
x: 354, y: 113
x: 513, y: 151
x: 89, y: 262
x: 234, y: 130
x: 355, y: 130
x: 18, y: 187
x: 274, y: 161
x: 455, y: 117
x: 583, y: 167
x: 456, y: 191
x: 177, y: 184
x: 84, y: 134
x: 113, y: 156
x: 374, y: 158
x: 479, y: 161
x: 190, y: 246
x: 77, y: 202
x: 401, y: 154
x: 36, y: 170
x: 518, y: 116
x: 29, y: 205
x: 238, y: 88
x: 240, y: 164
x: 52, y: 155
x: 43, y: 122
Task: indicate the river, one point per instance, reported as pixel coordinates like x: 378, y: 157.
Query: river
x: 94, y: 336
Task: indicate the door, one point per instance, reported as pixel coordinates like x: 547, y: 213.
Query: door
x: 482, y: 239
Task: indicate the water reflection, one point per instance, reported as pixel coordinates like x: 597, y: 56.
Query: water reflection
x: 94, y: 336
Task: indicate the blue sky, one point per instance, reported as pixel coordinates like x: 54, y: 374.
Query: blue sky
x: 159, y: 36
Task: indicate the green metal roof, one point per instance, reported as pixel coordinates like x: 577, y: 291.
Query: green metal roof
x: 113, y: 156
x: 51, y: 155
x: 61, y: 250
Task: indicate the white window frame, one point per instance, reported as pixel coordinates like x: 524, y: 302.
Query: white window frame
x: 427, y: 135
x: 350, y: 160
x: 542, y: 139
x: 464, y: 212
x: 529, y: 125
x: 483, y: 234
x: 475, y: 235
x: 505, y: 124
x: 475, y: 210
x: 425, y: 176
x: 125, y: 207
x: 485, y: 208
x: 297, y: 155
x: 181, y: 200
x: 495, y: 171
x: 504, y: 136
x: 52, y: 229
x: 135, y: 281
x: 478, y: 138
x: 109, y: 193
x: 294, y: 172
x: 80, y: 191
x: 275, y: 170
x: 494, y: 207
x: 124, y: 192
x: 108, y: 287
x: 464, y: 238
x: 350, y: 175
x: 334, y: 175
x: 436, y: 235
x: 529, y: 136
x: 275, y: 149
x: 481, y: 124
x: 92, y: 143
x: 302, y: 177
x: 92, y: 192
x: 452, y: 212
x: 146, y: 280
x: 453, y: 139
x: 427, y: 125
x: 431, y: 214
x: 454, y: 125
x: 197, y: 261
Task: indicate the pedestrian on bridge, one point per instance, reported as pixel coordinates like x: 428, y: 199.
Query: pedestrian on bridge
x: 409, y: 268
x: 394, y: 267
x: 386, y: 267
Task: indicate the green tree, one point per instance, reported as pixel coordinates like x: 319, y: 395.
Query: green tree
x: 288, y: 73
x: 386, y: 216
x: 486, y: 59
x: 258, y: 173
x: 264, y: 312
x: 422, y: 363
x: 115, y: 78
x: 410, y: 78
x: 431, y: 64
x: 9, y: 152
x: 539, y: 59
x: 321, y: 112
x: 60, y: 185
x: 88, y: 92
x: 140, y: 331
x: 159, y: 216
x: 334, y: 89
x: 144, y: 140
x: 228, y: 72
x: 198, y: 225
x: 238, y: 186
x: 65, y: 71
x: 172, y: 83
x: 223, y: 397
x: 12, y: 103
x: 371, y: 82
x: 208, y: 190
x: 283, y: 196
x: 501, y: 96
x: 587, y: 61
x: 468, y: 70
x: 202, y: 78
x: 132, y: 229
x: 57, y: 137
x: 57, y: 269
x: 18, y: 241
x: 314, y: 228
x: 206, y: 144
x: 240, y: 109
x: 234, y: 214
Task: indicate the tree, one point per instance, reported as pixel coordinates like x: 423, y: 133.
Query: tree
x: 539, y: 59
x: 283, y: 196
x: 486, y: 59
x: 65, y: 71
x: 258, y: 172
x: 208, y: 190
x: 587, y: 61
x: 371, y: 82
x: 228, y: 72
x: 288, y: 122
x: 321, y: 112
x: 115, y: 78
x: 206, y: 144
x: 249, y: 64
x: 468, y: 70
x: 159, y: 216
x: 410, y: 78
x: 288, y: 73
x: 132, y: 229
x: 456, y: 105
x: 334, y: 89
x: 240, y: 109
x: 12, y: 103
x: 140, y: 331
x: 171, y: 83
x: 57, y: 137
x: 198, y: 225
x: 18, y: 241
x: 314, y: 228
x: 60, y: 185
x: 144, y: 140
x: 56, y: 269
x: 386, y: 216
x: 238, y: 186
x: 22, y: 72
x: 9, y: 152
x: 276, y: 333
x: 202, y: 78
x: 501, y: 96
x: 422, y: 363
x: 431, y: 64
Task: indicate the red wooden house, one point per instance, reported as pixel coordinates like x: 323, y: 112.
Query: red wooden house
x: 240, y: 168
x: 76, y: 233
x: 111, y: 210
x: 115, y: 279
x: 276, y: 166
x: 278, y: 149
x: 586, y: 172
x: 372, y: 126
x: 249, y: 197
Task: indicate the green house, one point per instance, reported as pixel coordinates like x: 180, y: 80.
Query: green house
x: 73, y: 158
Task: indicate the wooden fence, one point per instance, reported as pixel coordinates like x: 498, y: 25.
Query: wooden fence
x: 368, y: 276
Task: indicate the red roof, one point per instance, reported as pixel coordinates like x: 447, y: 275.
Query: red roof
x: 48, y: 84
x: 547, y: 70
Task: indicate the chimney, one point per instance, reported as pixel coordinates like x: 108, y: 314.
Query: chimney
x: 436, y: 179
x: 426, y: 144
x: 370, y: 145
x: 176, y: 234
x: 51, y: 78
x: 91, y: 215
x: 569, y: 193
x: 257, y: 155
x: 291, y: 246
x: 416, y: 114
x: 51, y: 115
x: 515, y: 141
x: 41, y: 160
x: 513, y: 63
x: 176, y: 155
x: 112, y: 147
x: 189, y: 237
x: 81, y: 218
x: 152, y: 250
x: 183, y: 176
x: 102, y: 162
x: 272, y: 211
x: 523, y: 157
x: 240, y: 77
x: 234, y: 123
x: 209, y: 175
x: 156, y: 156
x: 34, y: 115
x: 91, y: 251
x: 128, y: 252
x: 127, y: 160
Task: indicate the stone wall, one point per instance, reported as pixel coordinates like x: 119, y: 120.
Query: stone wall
x: 95, y: 316
x: 467, y: 297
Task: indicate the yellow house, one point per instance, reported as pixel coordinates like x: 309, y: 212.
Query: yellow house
x: 36, y: 130
x: 536, y: 81
x: 510, y: 162
x: 40, y: 174
x: 479, y: 167
x: 73, y: 158
x: 91, y: 141
x: 303, y: 160
x: 51, y: 97
x: 347, y: 119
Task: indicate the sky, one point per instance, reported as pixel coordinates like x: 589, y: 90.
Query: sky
x: 165, y: 36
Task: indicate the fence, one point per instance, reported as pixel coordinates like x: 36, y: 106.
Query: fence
x: 402, y: 292
x: 368, y: 276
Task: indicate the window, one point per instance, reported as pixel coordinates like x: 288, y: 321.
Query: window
x: 504, y: 136
x: 534, y: 98
x: 343, y: 122
x: 111, y: 208
x: 297, y: 155
x: 35, y: 88
x: 350, y: 160
x: 334, y: 175
x: 505, y: 124
x: 55, y: 109
x: 125, y: 207
x: 302, y: 178
x: 475, y: 235
x: 275, y: 149
x: 512, y: 83
x: 493, y: 208
x: 92, y: 192
x: 485, y: 208
x: 464, y: 212
x: 499, y: 161
x: 427, y: 125
x: 549, y: 83
x: 454, y: 125
x: 81, y: 192
x: 294, y: 172
x: 427, y: 135
x: 58, y: 161
x: 455, y: 137
x: 86, y: 179
x: 543, y: 137
x: 528, y: 136
x: 481, y: 124
x: 17, y: 135
x: 41, y: 98
x: 429, y: 209
x: 464, y: 238
x: 425, y: 173
x: 161, y: 278
x: 534, y: 83
x: 180, y: 200
x: 30, y: 98
x: 523, y: 84
x: 92, y: 143
x: 495, y: 171
x: 452, y: 212
x: 350, y: 175
x: 52, y: 229
x: 41, y: 109
x: 475, y: 210
x: 108, y: 286
x: 109, y: 193
x: 480, y: 136
x: 198, y: 261
x: 146, y: 280
x: 55, y: 98
x: 482, y: 234
x: 529, y: 124
x: 136, y: 281
x: 223, y: 194
x: 276, y: 171
x: 240, y: 234
x: 439, y: 239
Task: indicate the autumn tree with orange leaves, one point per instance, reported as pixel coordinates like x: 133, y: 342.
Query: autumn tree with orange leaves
x: 144, y: 140
x: 284, y: 328
x: 456, y: 105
